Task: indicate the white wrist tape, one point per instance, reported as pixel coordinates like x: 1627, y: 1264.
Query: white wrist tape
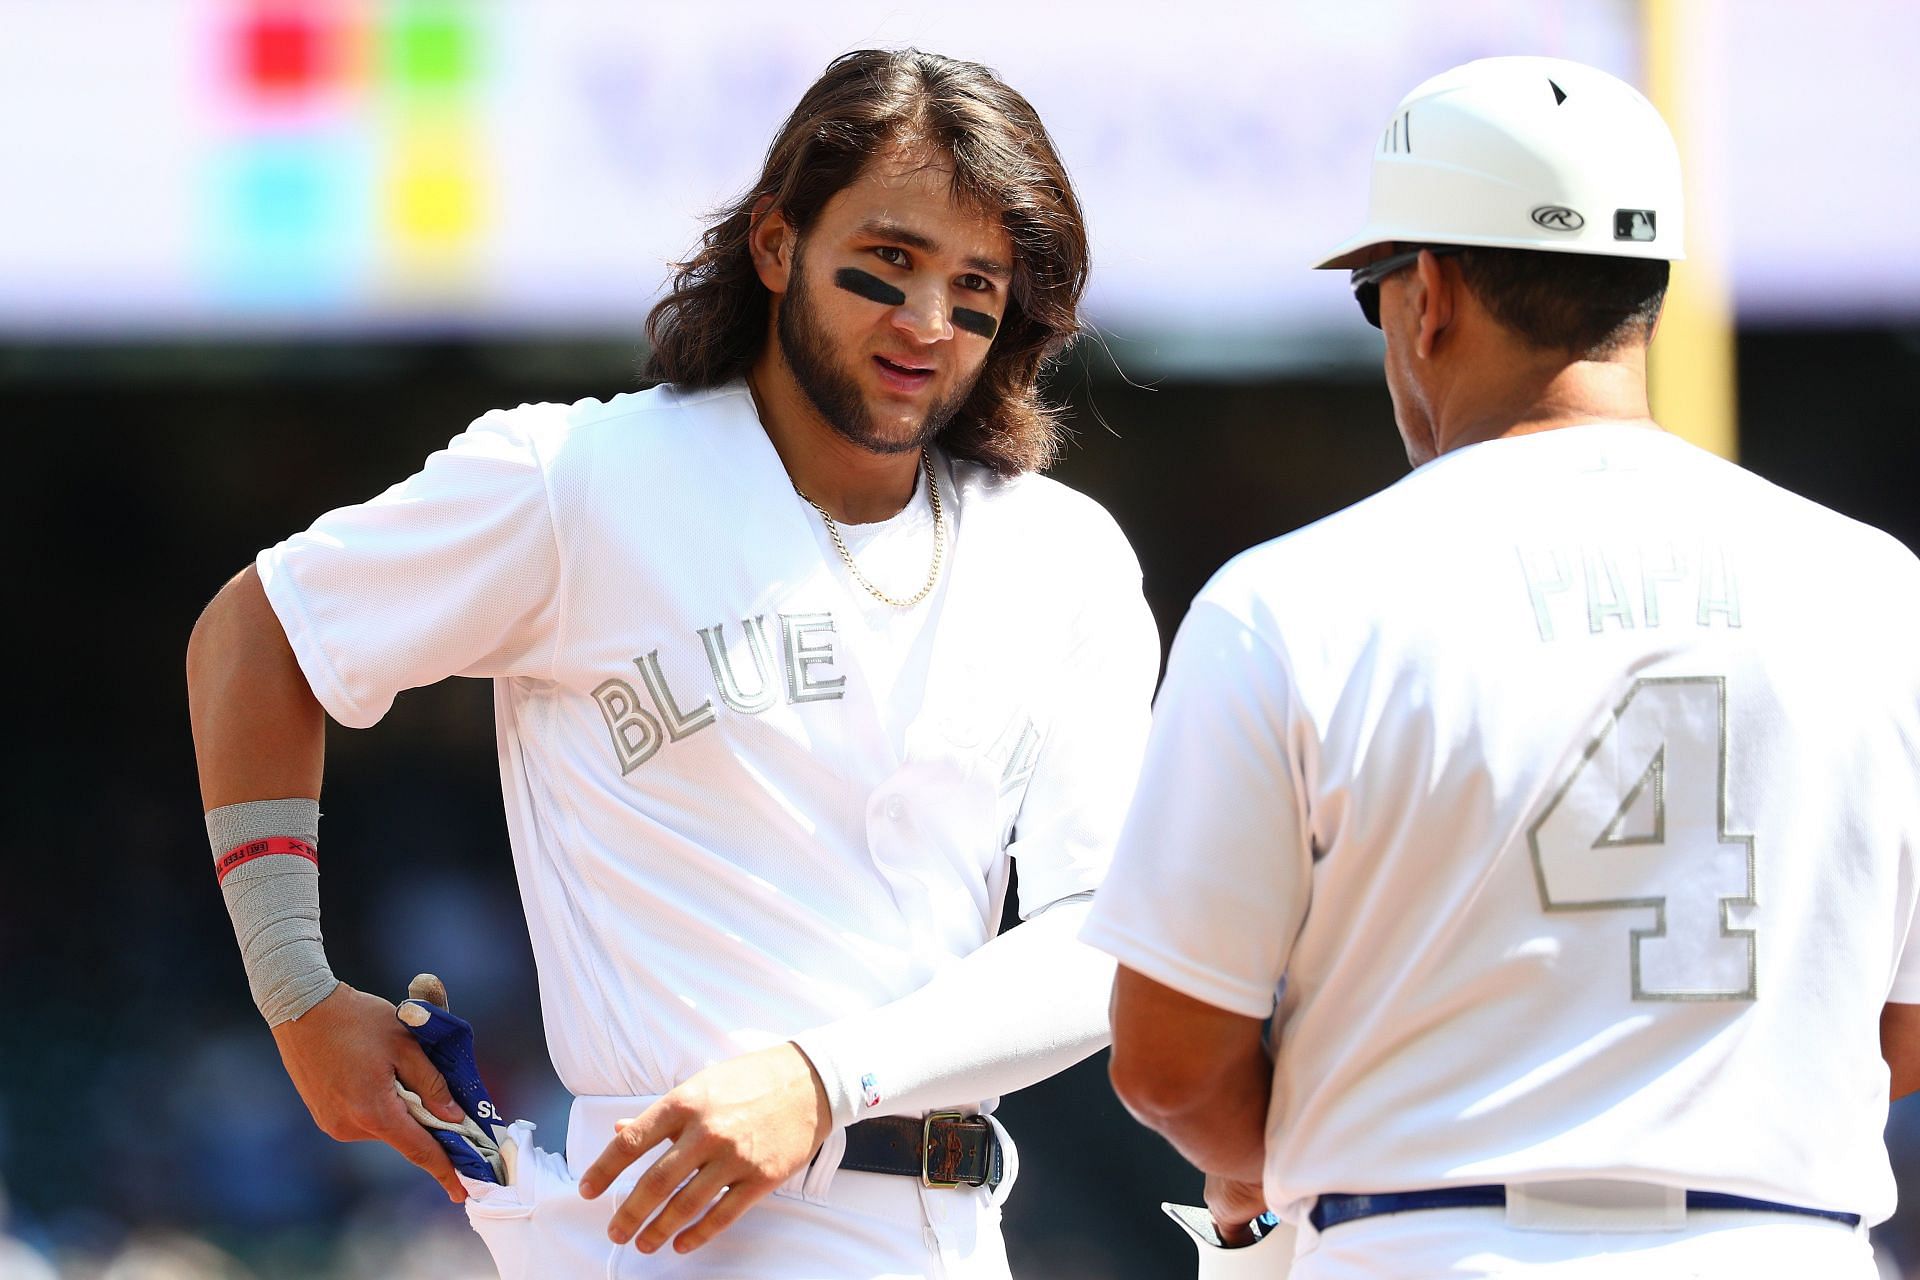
x: 1030, y: 1003
x: 265, y: 855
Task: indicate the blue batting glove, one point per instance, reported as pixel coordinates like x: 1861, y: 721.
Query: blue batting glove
x: 473, y: 1146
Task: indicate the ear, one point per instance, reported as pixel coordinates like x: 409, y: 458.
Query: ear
x: 771, y: 240
x: 1435, y: 295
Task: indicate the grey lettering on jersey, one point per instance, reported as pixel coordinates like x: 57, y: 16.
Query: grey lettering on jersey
x: 1016, y: 749
x: 1680, y: 889
x: 1019, y: 745
x: 639, y: 733
x: 1540, y: 584
x: 1659, y: 566
x: 1719, y: 591
x: 804, y: 652
x: 766, y: 688
x: 1606, y: 598
x: 680, y: 724
x: 636, y: 734
x: 1652, y: 786
x: 1606, y: 591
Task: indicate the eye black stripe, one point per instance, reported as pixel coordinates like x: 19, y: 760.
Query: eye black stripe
x: 975, y: 322
x: 870, y: 287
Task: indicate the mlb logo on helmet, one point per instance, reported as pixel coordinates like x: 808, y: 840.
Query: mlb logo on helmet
x: 1633, y: 224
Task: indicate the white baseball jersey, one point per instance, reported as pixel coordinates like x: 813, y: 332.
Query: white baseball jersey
x: 718, y: 842
x: 1572, y: 784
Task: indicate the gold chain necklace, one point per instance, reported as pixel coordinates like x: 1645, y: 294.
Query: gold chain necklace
x: 939, y: 543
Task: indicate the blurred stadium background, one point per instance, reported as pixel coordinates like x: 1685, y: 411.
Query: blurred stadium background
x: 258, y: 259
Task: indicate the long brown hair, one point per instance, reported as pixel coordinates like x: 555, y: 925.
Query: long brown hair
x: 713, y: 323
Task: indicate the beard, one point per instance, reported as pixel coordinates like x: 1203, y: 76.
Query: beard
x: 833, y: 392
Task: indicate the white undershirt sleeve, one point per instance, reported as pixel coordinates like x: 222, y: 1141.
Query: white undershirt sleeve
x: 1027, y: 1005
x: 1905, y: 988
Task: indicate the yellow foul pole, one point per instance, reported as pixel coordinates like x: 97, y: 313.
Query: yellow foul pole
x: 1690, y: 371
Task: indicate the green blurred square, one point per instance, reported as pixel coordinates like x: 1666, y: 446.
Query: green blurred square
x: 430, y: 46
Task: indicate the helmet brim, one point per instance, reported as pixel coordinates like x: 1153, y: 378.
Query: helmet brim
x: 1352, y: 252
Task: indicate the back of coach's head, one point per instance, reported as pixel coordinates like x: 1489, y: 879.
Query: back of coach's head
x: 1556, y: 184
x: 713, y: 323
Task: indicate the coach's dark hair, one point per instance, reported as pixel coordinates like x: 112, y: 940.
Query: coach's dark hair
x: 1581, y: 303
x: 712, y: 324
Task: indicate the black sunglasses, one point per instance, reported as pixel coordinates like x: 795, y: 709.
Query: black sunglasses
x: 1366, y: 280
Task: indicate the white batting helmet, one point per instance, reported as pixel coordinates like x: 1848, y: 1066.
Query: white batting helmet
x: 1525, y: 153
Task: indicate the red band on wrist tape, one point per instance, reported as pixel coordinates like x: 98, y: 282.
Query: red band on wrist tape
x: 241, y: 854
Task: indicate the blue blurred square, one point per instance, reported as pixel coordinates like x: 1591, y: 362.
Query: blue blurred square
x: 290, y: 219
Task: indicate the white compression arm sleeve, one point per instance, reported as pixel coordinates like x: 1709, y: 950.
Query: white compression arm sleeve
x: 1028, y: 1004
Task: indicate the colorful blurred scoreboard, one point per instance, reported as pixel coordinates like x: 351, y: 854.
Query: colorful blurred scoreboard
x: 353, y: 163
x: 509, y: 168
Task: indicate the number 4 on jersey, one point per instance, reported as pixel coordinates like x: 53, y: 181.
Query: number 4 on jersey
x: 1641, y: 826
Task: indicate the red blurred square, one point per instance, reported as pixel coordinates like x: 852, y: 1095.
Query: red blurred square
x: 281, y: 54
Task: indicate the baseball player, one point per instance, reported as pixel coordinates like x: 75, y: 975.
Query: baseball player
x: 792, y: 656
x: 1556, y: 805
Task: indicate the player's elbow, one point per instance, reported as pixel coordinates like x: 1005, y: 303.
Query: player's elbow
x: 1159, y: 1087
x: 1176, y: 1059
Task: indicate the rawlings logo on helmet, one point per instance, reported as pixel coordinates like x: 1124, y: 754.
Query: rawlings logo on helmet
x: 1557, y: 217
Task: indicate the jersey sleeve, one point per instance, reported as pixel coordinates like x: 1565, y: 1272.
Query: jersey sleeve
x: 1906, y: 973
x: 1084, y: 774
x: 453, y: 571
x: 1210, y: 882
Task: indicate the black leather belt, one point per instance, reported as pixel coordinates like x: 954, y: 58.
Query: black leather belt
x: 1332, y: 1210
x: 947, y: 1149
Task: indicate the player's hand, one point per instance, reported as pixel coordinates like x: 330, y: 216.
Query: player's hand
x: 344, y: 1055
x: 739, y: 1129
x: 1234, y: 1205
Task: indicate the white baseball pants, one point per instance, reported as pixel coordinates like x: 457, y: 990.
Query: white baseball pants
x: 826, y: 1223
